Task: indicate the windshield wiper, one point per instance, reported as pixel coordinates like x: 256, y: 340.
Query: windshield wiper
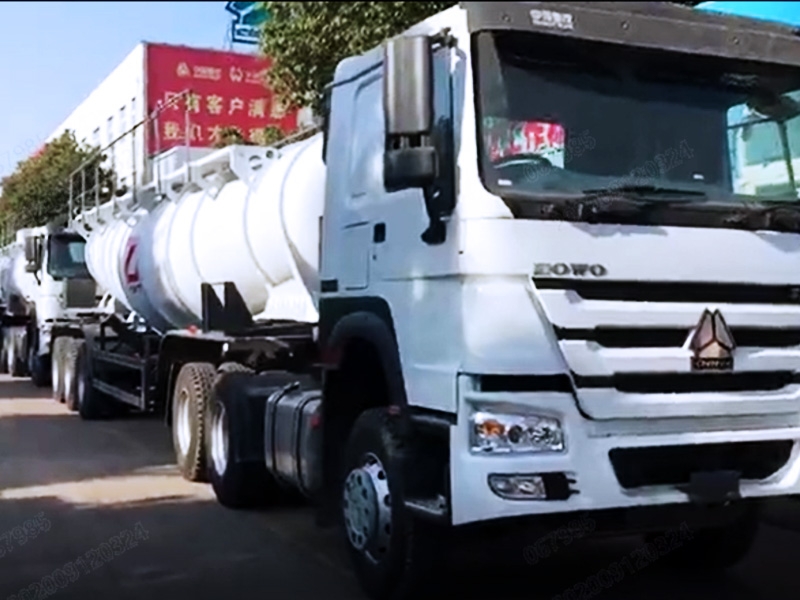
x: 623, y: 201
x: 784, y: 215
x: 648, y: 190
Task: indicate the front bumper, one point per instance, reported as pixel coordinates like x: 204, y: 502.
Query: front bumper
x: 587, y: 462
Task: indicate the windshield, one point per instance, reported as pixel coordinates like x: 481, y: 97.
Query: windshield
x: 563, y: 116
x: 66, y: 258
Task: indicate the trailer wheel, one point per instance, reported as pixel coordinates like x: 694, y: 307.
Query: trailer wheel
x: 71, y: 373
x: 237, y: 484
x: 57, y: 367
x: 190, y: 403
x: 89, y: 400
x: 392, y: 554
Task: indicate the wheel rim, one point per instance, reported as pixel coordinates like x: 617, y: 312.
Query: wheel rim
x: 367, y: 508
x: 12, y: 358
x: 219, y: 440
x: 55, y: 375
x: 67, y: 382
x: 183, y: 423
x: 81, y: 390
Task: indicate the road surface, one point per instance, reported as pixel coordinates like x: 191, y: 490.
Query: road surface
x: 96, y: 509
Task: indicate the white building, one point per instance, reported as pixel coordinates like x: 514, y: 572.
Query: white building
x: 111, y: 109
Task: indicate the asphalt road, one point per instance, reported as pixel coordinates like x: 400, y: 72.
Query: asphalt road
x: 95, y: 509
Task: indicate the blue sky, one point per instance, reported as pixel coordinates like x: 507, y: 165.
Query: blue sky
x: 53, y: 54
x: 786, y: 12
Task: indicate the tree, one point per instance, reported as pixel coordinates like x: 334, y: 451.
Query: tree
x: 306, y: 40
x: 227, y: 136
x: 38, y: 190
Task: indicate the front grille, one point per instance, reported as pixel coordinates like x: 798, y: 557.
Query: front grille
x: 685, y: 383
x: 642, y: 337
x: 674, y: 291
x: 674, y: 465
x: 80, y: 293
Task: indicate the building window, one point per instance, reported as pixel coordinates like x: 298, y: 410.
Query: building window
x: 122, y: 121
x: 134, y: 116
x: 110, y: 130
x: 96, y: 137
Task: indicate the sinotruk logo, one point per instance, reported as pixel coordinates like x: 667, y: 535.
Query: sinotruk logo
x: 246, y: 27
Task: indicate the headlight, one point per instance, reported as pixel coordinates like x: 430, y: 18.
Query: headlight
x: 492, y: 433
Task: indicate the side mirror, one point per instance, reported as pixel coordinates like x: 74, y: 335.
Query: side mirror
x: 30, y: 249
x: 410, y: 159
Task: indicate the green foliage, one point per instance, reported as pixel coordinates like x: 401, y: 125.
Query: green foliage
x: 272, y: 134
x: 306, y: 40
x: 227, y: 136
x: 38, y: 190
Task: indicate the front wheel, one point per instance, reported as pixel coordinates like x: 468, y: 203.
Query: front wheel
x: 393, y: 555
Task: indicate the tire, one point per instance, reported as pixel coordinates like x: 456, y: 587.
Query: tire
x: 190, y: 405
x: 57, y: 367
x: 397, y: 559
x: 718, y: 548
x: 39, y: 367
x: 237, y: 485
x: 15, y: 366
x: 3, y: 353
x: 71, y: 374
x: 91, y: 404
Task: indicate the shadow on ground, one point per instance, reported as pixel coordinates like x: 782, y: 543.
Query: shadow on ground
x: 198, y: 549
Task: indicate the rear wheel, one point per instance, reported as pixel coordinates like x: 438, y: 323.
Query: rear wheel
x: 237, y: 484
x: 38, y: 365
x: 71, y: 373
x: 190, y: 402
x: 393, y: 555
x: 90, y: 402
x: 57, y: 367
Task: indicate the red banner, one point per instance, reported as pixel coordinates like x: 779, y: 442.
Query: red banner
x: 226, y: 89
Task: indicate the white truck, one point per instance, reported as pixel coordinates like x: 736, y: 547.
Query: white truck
x: 433, y: 314
x: 47, y: 293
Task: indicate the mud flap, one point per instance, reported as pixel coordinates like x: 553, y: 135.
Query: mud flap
x: 713, y: 487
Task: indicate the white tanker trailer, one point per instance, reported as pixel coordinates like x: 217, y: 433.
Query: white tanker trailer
x: 425, y: 316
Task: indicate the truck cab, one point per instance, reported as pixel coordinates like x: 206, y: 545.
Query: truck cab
x: 64, y: 294
x: 533, y: 236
